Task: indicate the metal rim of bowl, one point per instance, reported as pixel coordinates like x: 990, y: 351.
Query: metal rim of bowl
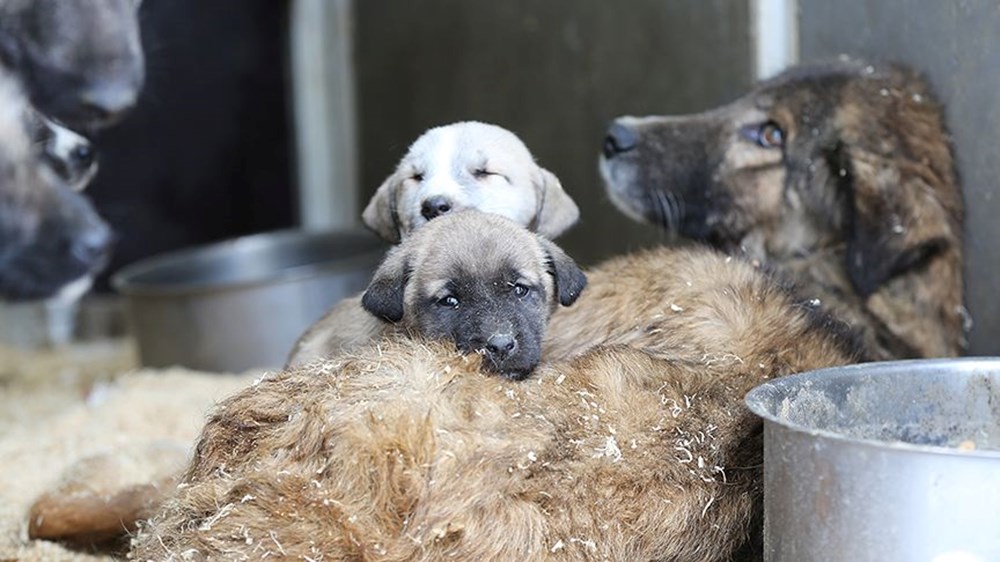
x: 123, y: 279
x: 764, y: 393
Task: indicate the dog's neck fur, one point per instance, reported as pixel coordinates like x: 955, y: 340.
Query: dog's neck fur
x: 907, y: 317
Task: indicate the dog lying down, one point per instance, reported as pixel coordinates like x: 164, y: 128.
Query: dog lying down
x: 640, y: 449
x: 474, y: 278
x: 469, y: 165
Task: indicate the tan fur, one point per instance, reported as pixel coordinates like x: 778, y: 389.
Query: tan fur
x: 637, y: 449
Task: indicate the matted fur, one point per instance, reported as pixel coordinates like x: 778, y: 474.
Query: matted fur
x: 854, y: 198
x: 640, y: 450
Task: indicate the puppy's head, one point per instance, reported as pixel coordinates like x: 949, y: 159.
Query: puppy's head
x: 842, y: 154
x: 479, y: 280
x: 469, y: 165
x: 81, y: 60
x: 50, y: 236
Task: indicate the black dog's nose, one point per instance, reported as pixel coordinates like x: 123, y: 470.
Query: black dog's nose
x: 434, y: 207
x: 500, y: 346
x: 619, y: 139
x: 92, y: 246
x: 107, y: 99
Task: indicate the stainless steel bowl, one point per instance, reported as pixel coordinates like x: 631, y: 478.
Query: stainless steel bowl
x: 883, y: 461
x: 241, y: 304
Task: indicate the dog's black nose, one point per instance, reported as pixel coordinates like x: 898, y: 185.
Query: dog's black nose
x: 500, y: 346
x: 92, y: 245
x: 619, y: 139
x: 107, y: 99
x: 434, y: 207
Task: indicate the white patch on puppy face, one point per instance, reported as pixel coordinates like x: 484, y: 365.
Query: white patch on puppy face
x: 467, y: 165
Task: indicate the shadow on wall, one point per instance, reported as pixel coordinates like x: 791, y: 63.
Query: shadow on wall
x: 206, y: 153
x: 553, y: 72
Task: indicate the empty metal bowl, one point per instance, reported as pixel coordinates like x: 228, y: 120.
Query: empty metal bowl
x: 883, y: 461
x: 241, y: 304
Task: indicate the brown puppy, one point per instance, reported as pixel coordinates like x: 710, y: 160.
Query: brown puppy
x: 839, y: 176
x: 477, y: 279
x: 638, y: 450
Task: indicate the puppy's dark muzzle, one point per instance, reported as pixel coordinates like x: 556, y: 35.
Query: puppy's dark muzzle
x: 619, y: 139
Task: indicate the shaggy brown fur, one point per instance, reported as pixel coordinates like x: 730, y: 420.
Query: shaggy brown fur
x: 839, y: 176
x: 636, y: 450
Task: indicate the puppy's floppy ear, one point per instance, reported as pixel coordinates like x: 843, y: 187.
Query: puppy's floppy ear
x: 899, y: 215
x: 569, y: 279
x: 380, y: 215
x: 556, y: 210
x: 384, y: 295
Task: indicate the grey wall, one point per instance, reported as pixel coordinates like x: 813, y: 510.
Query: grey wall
x: 956, y: 45
x: 554, y: 72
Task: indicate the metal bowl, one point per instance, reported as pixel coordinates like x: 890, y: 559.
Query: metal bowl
x: 883, y: 461
x: 242, y: 303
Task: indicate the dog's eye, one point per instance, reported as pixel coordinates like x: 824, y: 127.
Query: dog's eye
x: 480, y: 173
x: 417, y: 176
x: 770, y: 135
x: 521, y: 290
x: 448, y: 301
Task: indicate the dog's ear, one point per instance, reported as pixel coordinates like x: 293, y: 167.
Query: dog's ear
x: 380, y: 215
x: 384, y: 295
x: 556, y: 210
x: 897, y: 218
x: 569, y: 279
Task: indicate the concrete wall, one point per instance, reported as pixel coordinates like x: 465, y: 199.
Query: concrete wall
x: 955, y: 44
x: 555, y: 72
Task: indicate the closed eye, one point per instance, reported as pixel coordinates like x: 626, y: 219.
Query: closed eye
x: 481, y: 173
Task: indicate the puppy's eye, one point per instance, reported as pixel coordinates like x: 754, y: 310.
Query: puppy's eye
x: 448, y: 301
x: 480, y: 173
x: 417, y: 176
x: 521, y: 290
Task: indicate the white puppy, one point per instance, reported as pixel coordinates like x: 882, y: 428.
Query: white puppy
x: 469, y: 165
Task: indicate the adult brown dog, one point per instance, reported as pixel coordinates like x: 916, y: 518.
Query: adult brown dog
x: 639, y: 449
x: 840, y: 176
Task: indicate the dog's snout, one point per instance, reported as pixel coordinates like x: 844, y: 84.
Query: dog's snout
x: 93, y: 245
x: 500, y: 346
x: 108, y: 99
x: 435, y: 207
x: 619, y: 139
